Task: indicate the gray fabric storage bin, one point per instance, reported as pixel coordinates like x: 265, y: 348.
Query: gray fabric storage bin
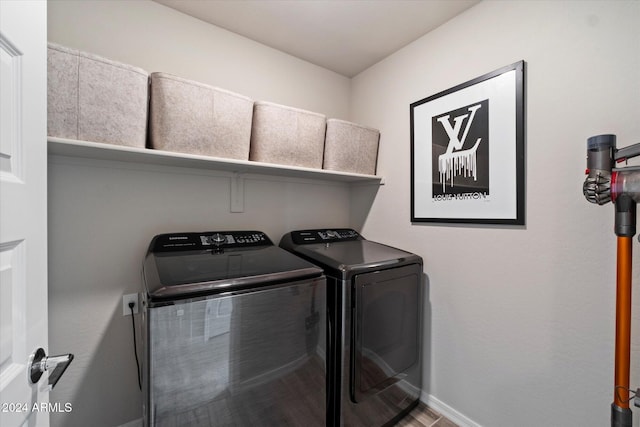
x: 287, y: 135
x: 350, y: 147
x: 92, y: 98
x: 195, y: 118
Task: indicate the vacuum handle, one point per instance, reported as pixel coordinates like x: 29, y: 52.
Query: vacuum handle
x: 627, y: 152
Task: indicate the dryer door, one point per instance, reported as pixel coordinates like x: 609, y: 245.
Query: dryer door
x: 386, y: 316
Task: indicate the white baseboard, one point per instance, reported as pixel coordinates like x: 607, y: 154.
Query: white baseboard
x: 134, y: 423
x: 446, y: 410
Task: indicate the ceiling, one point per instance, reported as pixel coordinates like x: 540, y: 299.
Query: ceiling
x: 346, y: 36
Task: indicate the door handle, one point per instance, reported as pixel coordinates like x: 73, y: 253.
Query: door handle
x: 39, y: 363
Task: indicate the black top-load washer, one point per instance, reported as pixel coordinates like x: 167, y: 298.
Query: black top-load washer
x: 234, y: 332
x: 374, y: 301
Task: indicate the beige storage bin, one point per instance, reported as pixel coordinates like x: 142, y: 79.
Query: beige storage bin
x: 350, y: 147
x: 91, y: 98
x: 287, y: 136
x: 195, y: 118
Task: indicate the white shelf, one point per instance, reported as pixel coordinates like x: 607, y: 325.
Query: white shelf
x: 96, y: 150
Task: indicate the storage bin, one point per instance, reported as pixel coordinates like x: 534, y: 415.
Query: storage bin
x: 350, y: 147
x: 92, y: 98
x: 287, y: 136
x: 195, y: 118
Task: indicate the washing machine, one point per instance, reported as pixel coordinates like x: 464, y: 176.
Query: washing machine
x: 374, y: 302
x: 233, y: 331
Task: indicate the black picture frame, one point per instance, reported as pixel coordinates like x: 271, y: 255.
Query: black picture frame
x: 468, y: 151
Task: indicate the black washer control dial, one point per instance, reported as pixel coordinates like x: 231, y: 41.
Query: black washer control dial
x: 218, y: 239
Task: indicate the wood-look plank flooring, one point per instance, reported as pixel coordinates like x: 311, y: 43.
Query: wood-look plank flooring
x: 422, y: 416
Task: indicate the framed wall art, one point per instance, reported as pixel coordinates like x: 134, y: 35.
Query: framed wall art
x: 468, y: 151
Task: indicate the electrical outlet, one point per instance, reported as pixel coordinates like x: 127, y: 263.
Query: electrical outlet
x: 126, y: 299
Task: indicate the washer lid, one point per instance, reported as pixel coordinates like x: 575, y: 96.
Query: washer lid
x: 186, y: 273
x: 355, y: 256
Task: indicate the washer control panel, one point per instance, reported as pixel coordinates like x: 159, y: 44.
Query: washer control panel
x: 208, y: 240
x: 302, y: 237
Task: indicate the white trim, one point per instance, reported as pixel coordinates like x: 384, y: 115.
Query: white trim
x: 447, y: 411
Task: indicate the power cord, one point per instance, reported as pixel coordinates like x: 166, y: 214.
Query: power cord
x: 135, y: 344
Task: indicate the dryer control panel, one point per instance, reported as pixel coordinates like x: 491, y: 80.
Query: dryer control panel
x: 208, y: 240
x: 302, y: 237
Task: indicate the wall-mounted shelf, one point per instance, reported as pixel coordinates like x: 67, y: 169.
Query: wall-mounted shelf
x: 95, y: 150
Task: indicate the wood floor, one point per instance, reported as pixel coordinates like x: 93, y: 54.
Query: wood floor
x: 422, y: 416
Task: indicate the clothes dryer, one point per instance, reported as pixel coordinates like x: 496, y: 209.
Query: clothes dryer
x: 374, y: 302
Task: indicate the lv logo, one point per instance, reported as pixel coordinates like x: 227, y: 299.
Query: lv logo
x: 456, y: 161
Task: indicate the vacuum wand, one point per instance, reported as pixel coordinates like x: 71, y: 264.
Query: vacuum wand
x: 605, y: 184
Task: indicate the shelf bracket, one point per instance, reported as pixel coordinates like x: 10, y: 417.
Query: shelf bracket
x: 237, y: 193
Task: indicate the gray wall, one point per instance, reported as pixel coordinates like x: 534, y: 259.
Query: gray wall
x: 522, y: 318
x: 103, y: 214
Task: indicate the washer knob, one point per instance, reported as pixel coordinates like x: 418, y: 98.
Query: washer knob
x: 218, y: 239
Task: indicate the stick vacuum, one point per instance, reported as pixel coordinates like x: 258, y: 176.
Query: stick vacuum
x: 621, y: 186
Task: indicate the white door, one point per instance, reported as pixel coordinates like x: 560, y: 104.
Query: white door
x: 23, y: 208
